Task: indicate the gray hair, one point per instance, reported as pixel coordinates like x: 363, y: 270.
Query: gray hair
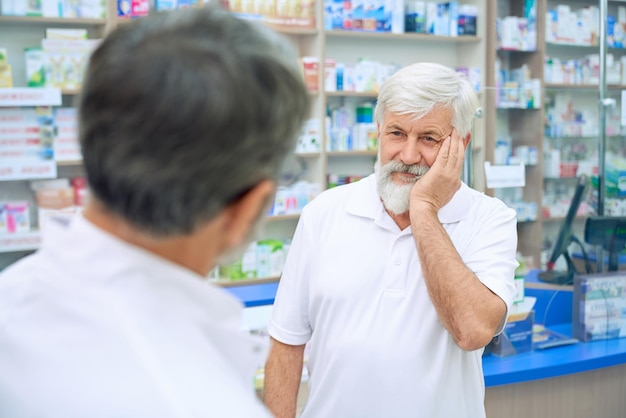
x: 419, y: 88
x: 183, y: 112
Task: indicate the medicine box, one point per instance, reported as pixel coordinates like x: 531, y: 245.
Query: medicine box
x: 599, y: 306
x: 516, y: 338
x: 16, y: 217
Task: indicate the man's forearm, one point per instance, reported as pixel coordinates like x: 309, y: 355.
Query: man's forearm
x: 466, y: 308
x: 283, y: 372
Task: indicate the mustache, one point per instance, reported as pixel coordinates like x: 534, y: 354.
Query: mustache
x: 397, y: 166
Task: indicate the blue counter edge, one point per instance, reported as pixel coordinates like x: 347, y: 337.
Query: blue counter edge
x: 524, y: 367
x: 255, y: 294
x: 554, y: 362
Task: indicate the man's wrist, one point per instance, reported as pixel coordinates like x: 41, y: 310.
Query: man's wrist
x: 423, y: 208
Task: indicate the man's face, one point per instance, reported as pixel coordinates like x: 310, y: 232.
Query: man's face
x: 233, y: 254
x: 407, y: 149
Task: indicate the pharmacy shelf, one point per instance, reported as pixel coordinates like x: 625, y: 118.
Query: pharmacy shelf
x: 293, y: 30
x: 69, y: 163
x: 22, y: 241
x: 580, y: 137
x: 562, y: 218
x: 368, y: 153
x: 561, y: 86
x: 510, y: 50
x: 308, y: 42
x: 245, y: 282
x: 364, y: 94
x: 410, y: 37
x: 308, y: 154
x: 65, y: 21
x: 571, y: 45
x: 70, y: 92
x: 292, y: 216
x: 30, y: 96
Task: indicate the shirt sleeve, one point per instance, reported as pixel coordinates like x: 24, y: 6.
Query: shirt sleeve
x: 290, y: 319
x: 492, y: 253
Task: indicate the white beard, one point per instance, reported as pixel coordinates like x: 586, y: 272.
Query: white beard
x: 396, y: 197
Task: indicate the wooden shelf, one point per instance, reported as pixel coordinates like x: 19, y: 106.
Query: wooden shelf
x: 70, y: 92
x: 587, y: 138
x: 527, y: 51
x: 308, y: 154
x: 35, y: 20
x: 352, y: 153
x: 244, y: 282
x: 292, y: 216
x: 561, y: 86
x: 516, y: 108
x: 581, y: 46
x: 401, y: 36
x: 561, y: 218
x: 560, y: 178
x: 571, y: 44
x: 526, y: 221
x: 69, y: 163
x: 293, y: 30
x: 364, y: 94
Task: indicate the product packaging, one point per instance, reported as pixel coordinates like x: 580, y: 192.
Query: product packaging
x: 517, y: 336
x: 17, y: 216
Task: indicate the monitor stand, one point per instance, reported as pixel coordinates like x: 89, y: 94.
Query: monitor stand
x: 556, y: 277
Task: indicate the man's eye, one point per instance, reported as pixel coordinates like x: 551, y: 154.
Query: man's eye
x: 396, y: 134
x: 429, y: 140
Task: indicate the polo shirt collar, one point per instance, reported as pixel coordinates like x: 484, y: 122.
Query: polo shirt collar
x: 94, y: 255
x: 87, y: 242
x: 365, y: 202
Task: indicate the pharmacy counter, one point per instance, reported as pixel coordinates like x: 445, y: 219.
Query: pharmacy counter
x: 554, y: 362
x: 582, y: 380
x: 579, y: 380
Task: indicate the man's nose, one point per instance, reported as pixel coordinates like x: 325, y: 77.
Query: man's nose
x: 411, y: 152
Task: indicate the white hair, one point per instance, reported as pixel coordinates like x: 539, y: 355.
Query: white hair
x: 419, y: 88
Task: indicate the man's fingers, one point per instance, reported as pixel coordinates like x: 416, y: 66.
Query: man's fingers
x: 444, y: 151
x: 458, y: 153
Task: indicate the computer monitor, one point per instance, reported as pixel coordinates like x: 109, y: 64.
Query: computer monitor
x: 610, y: 233
x: 564, y: 239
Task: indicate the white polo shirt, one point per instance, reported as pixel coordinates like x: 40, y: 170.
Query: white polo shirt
x: 352, y: 289
x: 93, y: 327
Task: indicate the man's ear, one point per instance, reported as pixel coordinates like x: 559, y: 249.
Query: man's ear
x: 467, y: 140
x: 244, y: 212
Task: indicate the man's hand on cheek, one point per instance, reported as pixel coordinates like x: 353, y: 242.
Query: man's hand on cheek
x: 443, y: 179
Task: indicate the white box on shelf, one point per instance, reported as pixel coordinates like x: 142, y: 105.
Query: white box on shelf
x: 505, y: 175
x: 25, y: 241
x: 24, y: 96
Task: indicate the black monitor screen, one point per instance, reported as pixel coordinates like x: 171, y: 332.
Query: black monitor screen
x: 564, y: 239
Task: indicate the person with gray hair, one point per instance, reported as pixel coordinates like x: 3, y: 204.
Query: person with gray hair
x: 185, y: 119
x: 396, y: 283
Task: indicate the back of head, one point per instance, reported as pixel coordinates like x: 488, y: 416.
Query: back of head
x: 419, y: 88
x: 184, y: 111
